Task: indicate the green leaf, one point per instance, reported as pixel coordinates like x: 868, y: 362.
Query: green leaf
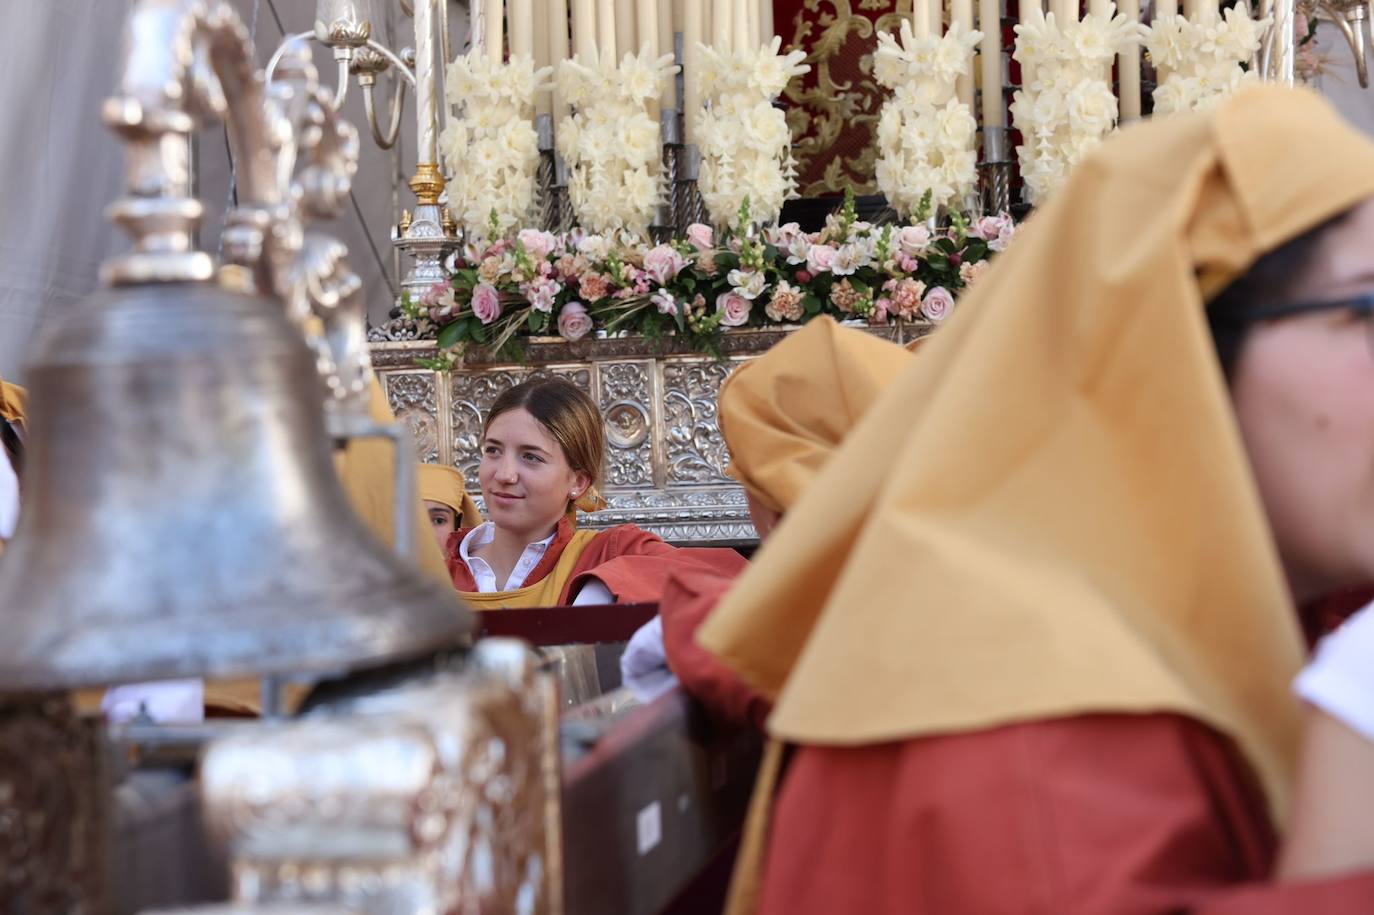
x: 452, y: 333
x: 479, y: 332
x: 812, y: 303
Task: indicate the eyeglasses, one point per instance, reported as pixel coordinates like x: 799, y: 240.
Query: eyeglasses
x: 1361, y: 305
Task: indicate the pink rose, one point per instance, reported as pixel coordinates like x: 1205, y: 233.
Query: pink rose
x: 913, y: 240
x: 733, y: 309
x: 662, y: 263
x: 937, y: 304
x: 537, y: 244
x: 820, y: 258
x: 995, y: 230
x: 486, y: 303
x: 573, y: 321
x: 701, y: 236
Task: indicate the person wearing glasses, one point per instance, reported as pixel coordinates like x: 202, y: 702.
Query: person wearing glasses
x: 1032, y: 631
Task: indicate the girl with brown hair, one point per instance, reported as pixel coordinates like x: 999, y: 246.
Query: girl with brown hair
x: 543, y: 449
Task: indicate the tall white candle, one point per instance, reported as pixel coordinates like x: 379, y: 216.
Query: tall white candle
x: 694, y: 14
x: 990, y: 61
x: 937, y: 17
x: 667, y: 45
x: 740, y: 30
x: 920, y: 18
x: 521, y: 27
x: 557, y: 44
x: 626, y: 31
x: 605, y: 28
x: 766, y: 27
x: 721, y: 24
x: 1066, y: 11
x: 1128, y: 67
x: 495, y: 24
x: 584, y: 28
x: 426, y: 112
x: 961, y: 13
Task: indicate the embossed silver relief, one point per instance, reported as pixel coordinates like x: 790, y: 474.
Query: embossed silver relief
x: 696, y: 451
x: 626, y: 395
x: 413, y: 398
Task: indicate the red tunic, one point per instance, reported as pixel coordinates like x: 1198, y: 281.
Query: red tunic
x: 633, y: 563
x: 1109, y: 814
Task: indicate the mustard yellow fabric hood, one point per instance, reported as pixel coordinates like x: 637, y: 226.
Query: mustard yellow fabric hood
x: 1050, y: 512
x: 784, y: 413
x: 445, y: 485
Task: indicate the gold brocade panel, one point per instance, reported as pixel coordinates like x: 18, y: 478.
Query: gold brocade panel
x: 833, y: 110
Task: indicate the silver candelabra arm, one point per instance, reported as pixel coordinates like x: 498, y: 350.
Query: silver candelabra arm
x: 187, y: 63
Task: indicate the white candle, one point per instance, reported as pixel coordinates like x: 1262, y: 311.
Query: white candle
x: 766, y: 31
x: 626, y: 32
x: 990, y: 60
x: 1165, y: 8
x: 694, y: 14
x: 494, y: 38
x: 605, y: 28
x: 740, y: 31
x: 584, y: 28
x: 721, y: 23
x: 1027, y: 10
x: 521, y: 27
x: 426, y: 114
x: 937, y: 18
x: 961, y: 12
x: 920, y: 18
x: 1128, y: 67
x: 667, y: 45
x: 1066, y: 11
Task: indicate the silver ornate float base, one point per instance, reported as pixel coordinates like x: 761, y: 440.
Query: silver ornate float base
x: 665, y: 468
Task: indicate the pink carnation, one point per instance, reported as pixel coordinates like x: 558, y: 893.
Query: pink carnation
x: 573, y: 321
x: 593, y: 286
x: 486, y: 303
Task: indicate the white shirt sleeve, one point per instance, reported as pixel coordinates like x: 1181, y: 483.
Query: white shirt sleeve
x: 9, y: 497
x: 166, y: 702
x: 594, y: 591
x: 1339, y: 679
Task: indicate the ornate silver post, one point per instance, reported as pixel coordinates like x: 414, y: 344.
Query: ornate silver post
x: 996, y: 171
x: 665, y: 216
x: 689, y: 206
x: 546, y: 178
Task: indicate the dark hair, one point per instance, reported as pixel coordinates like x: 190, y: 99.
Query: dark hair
x: 567, y: 413
x: 1271, y: 280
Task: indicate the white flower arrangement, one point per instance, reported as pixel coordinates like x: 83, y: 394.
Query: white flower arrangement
x: 490, y: 146
x: 1202, y: 60
x: 745, y: 143
x: 611, y: 144
x: 925, y: 134
x: 1066, y: 105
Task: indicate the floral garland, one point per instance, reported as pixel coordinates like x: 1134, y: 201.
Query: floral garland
x: 490, y: 148
x: 1066, y: 105
x: 1203, y: 60
x: 925, y: 134
x: 699, y: 286
x: 611, y: 144
x: 745, y: 143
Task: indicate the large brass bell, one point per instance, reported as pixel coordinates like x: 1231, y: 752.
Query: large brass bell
x: 181, y: 515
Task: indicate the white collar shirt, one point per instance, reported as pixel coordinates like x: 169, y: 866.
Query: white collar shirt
x: 482, y: 572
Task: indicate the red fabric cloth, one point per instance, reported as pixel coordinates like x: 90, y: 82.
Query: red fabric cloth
x: 633, y: 563
x: 1111, y: 814
x: 687, y: 600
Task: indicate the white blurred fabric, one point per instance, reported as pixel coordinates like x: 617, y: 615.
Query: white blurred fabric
x: 1339, y: 679
x: 165, y: 702
x: 644, y: 665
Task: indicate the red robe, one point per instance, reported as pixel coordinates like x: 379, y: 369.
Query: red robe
x: 633, y: 563
x: 1109, y: 814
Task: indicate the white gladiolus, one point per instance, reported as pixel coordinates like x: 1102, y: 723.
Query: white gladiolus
x: 745, y: 143
x: 1066, y: 106
x: 925, y: 134
x: 490, y: 147
x: 1202, y: 59
x: 611, y: 144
